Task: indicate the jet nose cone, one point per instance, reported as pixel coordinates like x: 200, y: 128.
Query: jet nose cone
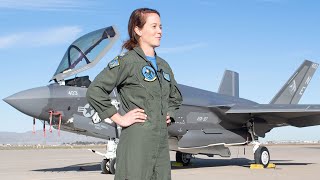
x: 7, y: 100
x: 30, y: 102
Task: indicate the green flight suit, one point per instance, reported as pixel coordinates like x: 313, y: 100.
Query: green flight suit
x: 143, y: 151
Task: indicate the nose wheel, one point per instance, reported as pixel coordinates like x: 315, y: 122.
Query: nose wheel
x: 108, y: 166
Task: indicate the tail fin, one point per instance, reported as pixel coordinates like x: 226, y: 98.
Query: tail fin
x: 229, y: 84
x: 293, y: 90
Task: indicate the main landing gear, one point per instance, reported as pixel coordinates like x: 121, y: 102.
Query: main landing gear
x: 183, y: 158
x: 261, y: 153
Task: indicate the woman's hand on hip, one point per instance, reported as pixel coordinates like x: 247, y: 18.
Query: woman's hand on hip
x: 168, y: 120
x: 134, y: 116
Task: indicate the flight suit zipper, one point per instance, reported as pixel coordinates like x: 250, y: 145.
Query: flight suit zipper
x: 160, y: 81
x: 158, y: 76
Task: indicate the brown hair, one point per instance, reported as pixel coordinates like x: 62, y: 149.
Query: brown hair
x: 138, y: 19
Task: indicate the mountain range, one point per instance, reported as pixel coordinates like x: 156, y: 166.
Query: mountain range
x: 29, y: 138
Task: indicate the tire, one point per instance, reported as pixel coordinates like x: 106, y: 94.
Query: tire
x: 183, y: 158
x: 262, y: 156
x: 113, y: 166
x: 105, y: 166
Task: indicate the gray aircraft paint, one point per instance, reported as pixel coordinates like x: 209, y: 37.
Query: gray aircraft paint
x: 229, y: 84
x: 294, y: 88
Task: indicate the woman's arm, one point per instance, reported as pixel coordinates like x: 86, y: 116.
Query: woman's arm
x: 99, y: 90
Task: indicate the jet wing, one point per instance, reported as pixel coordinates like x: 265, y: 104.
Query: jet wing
x: 276, y: 115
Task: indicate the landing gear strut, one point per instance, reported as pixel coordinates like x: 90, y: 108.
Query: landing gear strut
x: 183, y: 158
x: 261, y: 153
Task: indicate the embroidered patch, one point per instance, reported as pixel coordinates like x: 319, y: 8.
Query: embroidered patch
x: 114, y: 63
x: 166, y: 76
x: 149, y: 73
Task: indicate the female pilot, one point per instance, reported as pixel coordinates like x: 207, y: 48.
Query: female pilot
x: 149, y: 96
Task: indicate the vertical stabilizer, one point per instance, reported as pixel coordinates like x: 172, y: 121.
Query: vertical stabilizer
x: 229, y: 84
x: 293, y: 90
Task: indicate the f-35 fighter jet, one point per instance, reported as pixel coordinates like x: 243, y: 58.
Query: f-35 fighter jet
x: 206, y: 123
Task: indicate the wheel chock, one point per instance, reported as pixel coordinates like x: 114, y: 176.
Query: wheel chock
x: 271, y: 165
x: 177, y: 164
x: 260, y: 166
x: 256, y: 166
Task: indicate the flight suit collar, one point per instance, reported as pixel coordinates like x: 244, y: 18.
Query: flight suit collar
x: 140, y: 52
x: 159, y: 62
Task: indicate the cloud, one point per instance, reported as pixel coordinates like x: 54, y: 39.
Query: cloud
x: 8, y: 41
x: 181, y: 49
x: 47, y: 37
x: 46, y: 5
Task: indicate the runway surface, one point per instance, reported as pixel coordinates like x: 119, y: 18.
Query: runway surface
x: 292, y: 162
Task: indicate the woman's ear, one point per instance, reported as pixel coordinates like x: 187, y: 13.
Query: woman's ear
x: 137, y: 31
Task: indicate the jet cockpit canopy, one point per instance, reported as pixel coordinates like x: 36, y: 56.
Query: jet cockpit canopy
x: 86, y: 52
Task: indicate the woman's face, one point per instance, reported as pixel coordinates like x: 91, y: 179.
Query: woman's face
x: 151, y: 32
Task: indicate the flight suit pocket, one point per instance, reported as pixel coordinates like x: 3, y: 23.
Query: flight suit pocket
x: 166, y: 84
x: 148, y: 79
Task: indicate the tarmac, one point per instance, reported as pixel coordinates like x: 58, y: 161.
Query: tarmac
x: 292, y: 162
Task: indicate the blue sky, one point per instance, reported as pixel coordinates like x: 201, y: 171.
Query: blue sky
x: 263, y: 40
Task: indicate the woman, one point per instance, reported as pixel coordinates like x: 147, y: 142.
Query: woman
x: 149, y: 96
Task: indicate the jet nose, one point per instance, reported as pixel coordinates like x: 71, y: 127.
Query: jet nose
x: 31, y: 101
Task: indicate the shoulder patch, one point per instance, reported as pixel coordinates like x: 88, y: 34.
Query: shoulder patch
x: 114, y: 62
x: 166, y: 76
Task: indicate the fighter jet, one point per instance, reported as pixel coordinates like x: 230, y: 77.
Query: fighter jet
x: 206, y: 123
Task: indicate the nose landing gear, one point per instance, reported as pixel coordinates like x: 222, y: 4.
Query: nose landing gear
x: 108, y: 165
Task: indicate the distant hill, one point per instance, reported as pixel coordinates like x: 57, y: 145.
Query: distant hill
x: 50, y: 139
